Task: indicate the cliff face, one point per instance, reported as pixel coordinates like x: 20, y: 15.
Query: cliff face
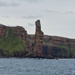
x: 2, y: 30
x: 15, y: 42
x: 38, y: 40
x: 19, y: 31
x: 58, y: 46
x: 52, y: 46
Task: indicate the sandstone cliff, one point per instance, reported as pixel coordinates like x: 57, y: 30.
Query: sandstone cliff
x: 38, y: 40
x: 15, y: 42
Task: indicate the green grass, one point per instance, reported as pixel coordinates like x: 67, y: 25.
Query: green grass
x: 11, y: 43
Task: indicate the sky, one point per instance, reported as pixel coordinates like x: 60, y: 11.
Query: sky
x: 57, y: 16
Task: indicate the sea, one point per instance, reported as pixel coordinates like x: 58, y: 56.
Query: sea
x: 31, y: 66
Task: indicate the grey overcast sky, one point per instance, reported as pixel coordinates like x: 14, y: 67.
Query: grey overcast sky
x: 57, y: 16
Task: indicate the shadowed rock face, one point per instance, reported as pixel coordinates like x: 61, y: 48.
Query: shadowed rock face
x: 2, y: 30
x: 38, y: 40
x: 52, y: 46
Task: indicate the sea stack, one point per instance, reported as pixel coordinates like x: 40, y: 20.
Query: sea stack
x: 38, y: 40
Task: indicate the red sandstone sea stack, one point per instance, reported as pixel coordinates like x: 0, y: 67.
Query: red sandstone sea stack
x: 38, y: 40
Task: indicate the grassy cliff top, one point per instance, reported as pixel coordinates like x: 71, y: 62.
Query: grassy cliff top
x: 11, y: 43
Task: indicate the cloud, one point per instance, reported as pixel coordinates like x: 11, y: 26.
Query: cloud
x: 60, y: 12
x: 4, y: 3
x: 5, y: 16
x: 21, y: 16
x: 31, y: 16
x: 30, y: 24
x: 69, y: 12
x: 52, y: 11
x: 32, y: 1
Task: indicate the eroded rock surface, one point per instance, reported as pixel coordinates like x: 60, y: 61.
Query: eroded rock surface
x: 38, y: 40
x: 37, y: 45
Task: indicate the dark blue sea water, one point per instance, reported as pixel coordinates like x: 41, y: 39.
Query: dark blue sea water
x: 16, y: 66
